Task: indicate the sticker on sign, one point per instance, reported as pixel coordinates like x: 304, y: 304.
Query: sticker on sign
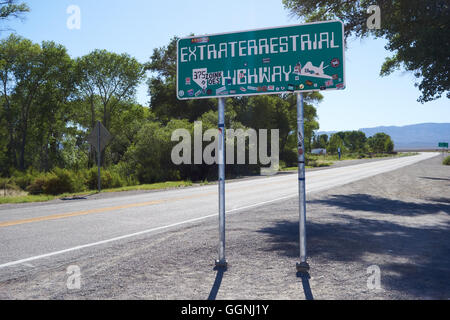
x: 222, y: 65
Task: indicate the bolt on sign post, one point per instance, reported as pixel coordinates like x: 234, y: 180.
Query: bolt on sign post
x: 292, y: 59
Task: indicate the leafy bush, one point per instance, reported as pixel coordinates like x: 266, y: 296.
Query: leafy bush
x: 37, y: 186
x: 446, y: 161
x: 109, y: 179
x: 311, y: 162
x: 24, y: 179
x: 8, y: 183
x: 63, y: 181
x: 150, y: 155
x: 290, y: 157
x: 126, y: 173
x: 58, y: 181
x: 380, y: 143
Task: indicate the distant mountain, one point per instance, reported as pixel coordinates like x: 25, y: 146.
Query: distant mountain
x: 416, y: 136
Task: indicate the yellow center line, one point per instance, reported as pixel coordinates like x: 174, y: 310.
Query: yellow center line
x: 115, y: 208
x: 75, y: 214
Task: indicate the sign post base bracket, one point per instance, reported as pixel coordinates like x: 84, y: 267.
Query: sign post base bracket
x: 303, y: 267
x: 221, y: 264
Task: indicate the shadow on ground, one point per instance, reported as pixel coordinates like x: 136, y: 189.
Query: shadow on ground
x: 348, y: 239
x: 435, y: 179
x: 365, y: 202
x: 217, y: 283
x: 441, y: 200
x: 305, y: 284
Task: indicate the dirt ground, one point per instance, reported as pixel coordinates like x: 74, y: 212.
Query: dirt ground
x: 397, y: 221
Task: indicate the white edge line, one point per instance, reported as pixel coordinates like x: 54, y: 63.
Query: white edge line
x: 13, y: 263
x: 47, y: 255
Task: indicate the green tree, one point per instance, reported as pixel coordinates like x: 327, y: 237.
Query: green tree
x: 258, y: 112
x: 27, y: 72
x: 320, y: 141
x: 12, y: 9
x: 416, y: 32
x: 355, y: 141
x: 126, y: 122
x: 380, y: 143
x: 279, y: 112
x: 162, y: 88
x: 311, y: 123
x: 106, y: 82
x: 150, y: 154
x: 109, y: 77
x: 335, y: 143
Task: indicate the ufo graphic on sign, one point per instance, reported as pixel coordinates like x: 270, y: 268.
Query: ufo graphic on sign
x: 309, y: 70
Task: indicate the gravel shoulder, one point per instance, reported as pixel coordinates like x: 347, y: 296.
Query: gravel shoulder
x: 398, y: 221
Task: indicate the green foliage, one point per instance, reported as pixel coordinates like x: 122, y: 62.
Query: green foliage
x: 12, y: 9
x: 35, y: 82
x: 109, y: 179
x: 446, y: 161
x: 125, y: 173
x: 26, y: 199
x: 49, y: 104
x: 60, y: 181
x: 56, y: 182
x: 8, y: 183
x: 380, y: 143
x: 151, y: 153
x: 335, y: 142
x: 320, y: 142
x: 415, y: 31
x: 356, y: 143
x: 290, y: 157
x: 162, y: 88
x: 24, y: 179
x: 111, y: 77
x: 37, y: 185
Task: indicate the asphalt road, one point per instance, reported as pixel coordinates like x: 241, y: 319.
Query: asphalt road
x: 35, y: 237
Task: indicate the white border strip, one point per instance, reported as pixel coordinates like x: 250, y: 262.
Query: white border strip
x: 55, y: 253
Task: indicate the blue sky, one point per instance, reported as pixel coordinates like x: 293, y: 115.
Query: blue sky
x: 138, y: 26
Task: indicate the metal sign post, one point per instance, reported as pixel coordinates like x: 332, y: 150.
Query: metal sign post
x: 99, y: 157
x: 222, y: 262
x: 303, y: 265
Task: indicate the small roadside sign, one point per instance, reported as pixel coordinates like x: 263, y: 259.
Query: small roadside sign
x: 105, y: 137
x: 443, y: 145
x: 99, y: 139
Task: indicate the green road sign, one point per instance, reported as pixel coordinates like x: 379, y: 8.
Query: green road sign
x: 443, y: 145
x: 300, y: 58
